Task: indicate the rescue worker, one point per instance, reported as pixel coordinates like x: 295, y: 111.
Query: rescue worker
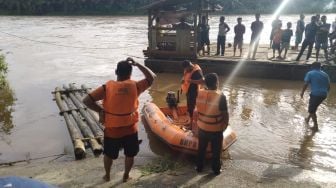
x: 119, y: 113
x: 213, y: 119
x: 192, y: 78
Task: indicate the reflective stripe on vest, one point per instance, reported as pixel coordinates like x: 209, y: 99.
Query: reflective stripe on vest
x: 187, y: 76
x: 210, y: 118
x: 121, y: 103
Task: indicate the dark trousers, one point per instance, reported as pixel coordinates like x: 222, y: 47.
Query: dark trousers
x: 191, y: 102
x: 306, y: 43
x: 221, y: 44
x: 216, y: 140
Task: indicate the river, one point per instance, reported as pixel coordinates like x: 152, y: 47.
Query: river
x: 46, y: 52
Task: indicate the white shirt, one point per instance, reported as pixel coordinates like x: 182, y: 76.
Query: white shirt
x: 222, y: 29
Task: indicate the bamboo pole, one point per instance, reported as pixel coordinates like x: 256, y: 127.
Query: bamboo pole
x: 76, y: 99
x: 96, y: 147
x: 93, y: 114
x: 76, y: 137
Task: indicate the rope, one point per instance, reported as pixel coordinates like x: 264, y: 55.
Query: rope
x: 67, y: 46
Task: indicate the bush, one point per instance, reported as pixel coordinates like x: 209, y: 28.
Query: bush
x: 3, y: 71
x: 6, y: 99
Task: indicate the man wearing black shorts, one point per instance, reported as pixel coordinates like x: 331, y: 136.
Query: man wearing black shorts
x: 119, y: 113
x: 320, y: 85
x: 239, y: 30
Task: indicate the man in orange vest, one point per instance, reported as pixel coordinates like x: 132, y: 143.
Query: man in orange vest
x: 119, y: 113
x: 213, y: 118
x: 192, y: 77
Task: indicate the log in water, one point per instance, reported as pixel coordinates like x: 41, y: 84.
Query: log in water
x: 76, y: 137
x: 92, y: 113
x: 76, y: 99
x: 86, y: 131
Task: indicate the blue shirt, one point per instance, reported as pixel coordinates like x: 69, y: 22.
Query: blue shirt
x: 319, y: 82
x: 286, y: 35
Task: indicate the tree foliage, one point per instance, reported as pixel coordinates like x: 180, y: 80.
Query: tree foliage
x: 68, y: 7
x: 3, y: 71
x: 6, y: 99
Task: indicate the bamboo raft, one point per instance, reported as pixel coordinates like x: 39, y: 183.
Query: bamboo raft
x: 82, y: 123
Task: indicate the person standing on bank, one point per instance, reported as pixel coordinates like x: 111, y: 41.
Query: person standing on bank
x: 276, y: 44
x: 239, y: 30
x: 286, y: 38
x: 275, y: 24
x: 192, y: 78
x: 204, y: 28
x: 310, y: 33
x: 300, y: 27
x: 256, y: 27
x: 319, y: 85
x: 213, y: 119
x: 221, y: 38
x: 119, y: 113
x: 322, y: 37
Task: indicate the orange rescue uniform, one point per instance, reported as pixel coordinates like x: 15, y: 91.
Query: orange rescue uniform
x: 210, y: 118
x: 120, y: 102
x: 187, y: 77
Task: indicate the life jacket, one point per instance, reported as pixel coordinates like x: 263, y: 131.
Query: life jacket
x: 121, y: 103
x: 187, y: 76
x: 210, y: 118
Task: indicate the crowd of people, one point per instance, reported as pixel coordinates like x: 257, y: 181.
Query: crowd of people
x: 317, y: 32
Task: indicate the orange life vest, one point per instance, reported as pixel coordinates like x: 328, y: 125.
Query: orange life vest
x: 187, y: 76
x: 210, y: 118
x: 121, y: 103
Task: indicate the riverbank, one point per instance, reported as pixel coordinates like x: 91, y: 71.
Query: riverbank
x: 236, y: 173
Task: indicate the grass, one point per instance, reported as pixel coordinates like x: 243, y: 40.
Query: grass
x: 160, y: 165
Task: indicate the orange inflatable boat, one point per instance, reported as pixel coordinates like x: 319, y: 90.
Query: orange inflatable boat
x: 169, y: 126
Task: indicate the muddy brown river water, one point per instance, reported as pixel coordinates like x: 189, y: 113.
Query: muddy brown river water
x: 46, y: 52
